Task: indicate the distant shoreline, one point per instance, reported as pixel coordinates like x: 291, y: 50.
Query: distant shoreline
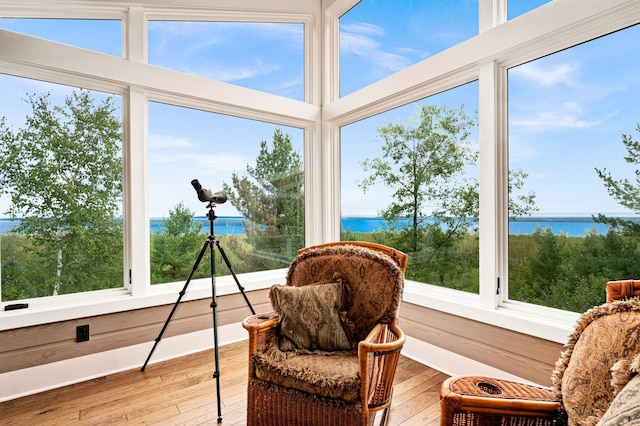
x: 577, y: 226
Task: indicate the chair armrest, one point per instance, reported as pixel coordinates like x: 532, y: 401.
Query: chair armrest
x: 479, y: 400
x: 260, y: 328
x: 622, y: 289
x: 378, y: 356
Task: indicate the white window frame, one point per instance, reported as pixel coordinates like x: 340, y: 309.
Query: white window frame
x: 486, y: 57
x: 138, y: 84
x: 500, y: 45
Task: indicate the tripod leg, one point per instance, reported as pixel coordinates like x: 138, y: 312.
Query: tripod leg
x: 214, y: 307
x: 226, y: 261
x: 175, y: 305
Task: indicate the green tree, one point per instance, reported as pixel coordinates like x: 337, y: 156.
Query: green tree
x: 544, y: 264
x: 606, y: 257
x: 270, y: 196
x: 174, y: 251
x: 63, y: 174
x: 624, y: 191
x: 425, y: 165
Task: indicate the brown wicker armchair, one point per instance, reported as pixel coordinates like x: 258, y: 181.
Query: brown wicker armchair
x: 311, y: 365
x: 581, y: 388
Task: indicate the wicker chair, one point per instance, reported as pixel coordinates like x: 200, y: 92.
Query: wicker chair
x: 581, y: 384
x: 343, y: 373
x: 618, y: 290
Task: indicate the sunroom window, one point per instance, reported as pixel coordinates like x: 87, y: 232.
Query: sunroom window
x: 257, y: 55
x: 259, y: 168
x: 410, y: 180
x: 372, y: 46
x: 60, y: 189
x: 101, y: 35
x: 569, y: 113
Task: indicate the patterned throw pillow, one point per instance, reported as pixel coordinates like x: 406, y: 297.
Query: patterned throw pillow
x: 625, y: 408
x: 309, y: 317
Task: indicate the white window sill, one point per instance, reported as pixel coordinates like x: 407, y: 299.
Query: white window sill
x: 546, y: 323
x: 68, y: 307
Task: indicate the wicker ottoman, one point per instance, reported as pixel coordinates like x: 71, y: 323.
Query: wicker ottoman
x: 485, y: 401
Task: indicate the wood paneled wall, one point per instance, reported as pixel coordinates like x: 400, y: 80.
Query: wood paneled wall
x: 525, y: 356
x: 41, y: 344
x: 522, y: 355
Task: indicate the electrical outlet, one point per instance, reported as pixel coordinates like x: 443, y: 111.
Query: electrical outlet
x: 82, y: 333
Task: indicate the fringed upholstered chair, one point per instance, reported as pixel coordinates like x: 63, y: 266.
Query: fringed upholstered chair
x: 595, y: 380
x: 329, y: 352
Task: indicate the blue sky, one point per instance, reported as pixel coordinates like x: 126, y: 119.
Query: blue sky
x: 567, y: 111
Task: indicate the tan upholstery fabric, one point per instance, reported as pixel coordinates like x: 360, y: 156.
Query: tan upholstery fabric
x: 604, y: 335
x: 333, y: 375
x: 310, y: 317
x: 625, y: 408
x: 373, y: 284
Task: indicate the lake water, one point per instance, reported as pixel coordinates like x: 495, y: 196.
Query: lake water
x: 572, y: 226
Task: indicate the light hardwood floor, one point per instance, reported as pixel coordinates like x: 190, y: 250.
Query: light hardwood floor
x: 183, y: 392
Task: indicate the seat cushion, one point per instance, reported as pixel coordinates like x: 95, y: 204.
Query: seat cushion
x: 327, y: 374
x: 603, y: 335
x: 309, y: 317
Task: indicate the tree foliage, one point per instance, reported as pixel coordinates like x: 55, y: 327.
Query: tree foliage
x: 63, y: 174
x: 434, y: 202
x: 624, y: 191
x: 270, y: 197
x: 423, y: 163
x: 569, y: 272
x: 174, y: 251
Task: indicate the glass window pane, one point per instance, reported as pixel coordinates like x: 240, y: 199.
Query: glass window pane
x: 519, y: 7
x: 264, y: 56
x: 409, y: 180
x: 100, y: 35
x: 380, y: 37
x: 60, y: 189
x: 568, y: 116
x: 257, y: 165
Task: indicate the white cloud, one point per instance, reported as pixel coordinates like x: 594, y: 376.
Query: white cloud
x: 366, y: 47
x: 286, y: 85
x: 221, y: 73
x: 219, y: 162
x: 181, y: 153
x: 204, y: 34
x: 414, y: 52
x: 547, y: 76
x: 363, y: 28
x: 169, y: 141
x: 180, y: 44
x: 358, y: 44
x: 274, y: 29
x: 547, y: 120
x: 211, y: 34
x: 189, y: 161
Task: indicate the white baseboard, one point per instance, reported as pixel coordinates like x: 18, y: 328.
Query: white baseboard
x: 28, y: 381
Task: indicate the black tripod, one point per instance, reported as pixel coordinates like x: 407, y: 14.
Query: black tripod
x: 211, y: 243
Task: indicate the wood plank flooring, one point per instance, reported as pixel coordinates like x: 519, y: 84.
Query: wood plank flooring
x: 183, y: 392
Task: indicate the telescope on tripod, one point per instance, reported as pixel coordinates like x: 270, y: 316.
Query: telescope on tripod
x: 211, y: 243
